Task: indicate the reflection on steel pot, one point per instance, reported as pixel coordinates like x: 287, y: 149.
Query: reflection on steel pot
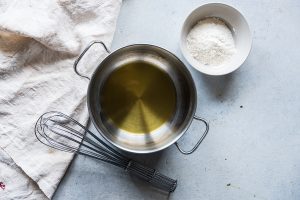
x: 142, y: 98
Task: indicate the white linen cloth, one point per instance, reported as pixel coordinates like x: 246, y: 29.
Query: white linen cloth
x: 39, y: 41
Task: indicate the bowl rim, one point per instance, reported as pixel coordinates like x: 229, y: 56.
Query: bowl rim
x: 202, y: 68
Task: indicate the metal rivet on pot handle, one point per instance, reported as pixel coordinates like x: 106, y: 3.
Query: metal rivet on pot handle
x: 82, y: 54
x: 199, y: 141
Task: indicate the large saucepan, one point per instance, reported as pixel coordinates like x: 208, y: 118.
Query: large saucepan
x: 173, y: 128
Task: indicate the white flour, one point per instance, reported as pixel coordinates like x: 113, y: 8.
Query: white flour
x: 211, y: 42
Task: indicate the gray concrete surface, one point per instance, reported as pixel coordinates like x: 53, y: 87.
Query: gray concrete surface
x: 252, y: 149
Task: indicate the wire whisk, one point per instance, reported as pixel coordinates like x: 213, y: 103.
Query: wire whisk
x: 62, y: 132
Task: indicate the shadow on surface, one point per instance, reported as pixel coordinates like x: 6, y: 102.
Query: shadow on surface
x: 217, y: 87
x: 150, y: 160
x: 148, y: 190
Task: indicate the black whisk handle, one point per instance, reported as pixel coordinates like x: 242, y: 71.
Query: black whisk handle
x: 169, y: 187
x: 152, y: 176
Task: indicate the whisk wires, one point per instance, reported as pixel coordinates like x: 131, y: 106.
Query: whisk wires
x: 63, y: 133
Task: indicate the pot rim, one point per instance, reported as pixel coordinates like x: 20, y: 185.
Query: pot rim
x: 173, y: 141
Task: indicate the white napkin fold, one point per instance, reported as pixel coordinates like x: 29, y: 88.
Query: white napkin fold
x: 39, y: 41
x: 17, y: 185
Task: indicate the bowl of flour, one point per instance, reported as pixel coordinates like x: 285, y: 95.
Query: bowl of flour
x: 215, y: 39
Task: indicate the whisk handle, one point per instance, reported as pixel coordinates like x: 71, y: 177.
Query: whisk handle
x: 151, y: 176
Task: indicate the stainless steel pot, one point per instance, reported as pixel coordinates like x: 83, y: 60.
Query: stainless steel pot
x: 168, y: 133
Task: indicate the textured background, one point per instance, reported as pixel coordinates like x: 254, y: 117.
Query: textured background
x: 252, y: 149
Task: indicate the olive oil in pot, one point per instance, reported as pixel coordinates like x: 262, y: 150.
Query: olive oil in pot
x: 138, y: 97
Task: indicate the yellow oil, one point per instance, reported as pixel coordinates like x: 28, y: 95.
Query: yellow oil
x: 138, y: 97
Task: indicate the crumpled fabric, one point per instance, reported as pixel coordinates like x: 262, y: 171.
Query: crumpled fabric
x: 39, y: 41
x: 16, y: 184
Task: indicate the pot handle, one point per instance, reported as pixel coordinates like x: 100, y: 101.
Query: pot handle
x: 199, y: 141
x: 82, y: 54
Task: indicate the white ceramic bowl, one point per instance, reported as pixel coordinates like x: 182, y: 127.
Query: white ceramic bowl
x: 239, y: 27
